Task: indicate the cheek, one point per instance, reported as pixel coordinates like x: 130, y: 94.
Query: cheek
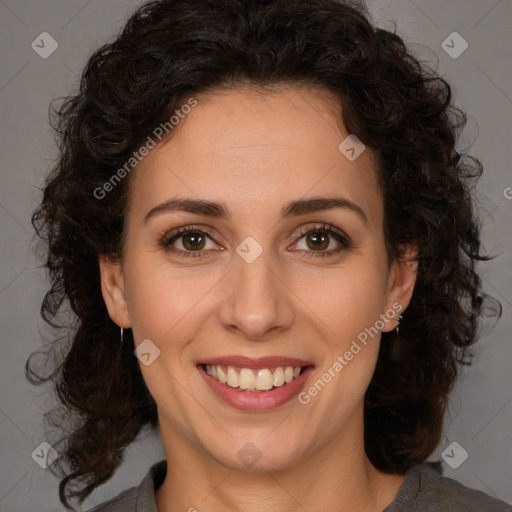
x: 352, y: 305
x: 347, y: 299
x: 164, y: 301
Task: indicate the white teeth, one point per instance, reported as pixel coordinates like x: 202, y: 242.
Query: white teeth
x: 221, y: 376
x: 279, y: 377
x: 232, y: 379
x: 264, y: 380
x: 245, y: 378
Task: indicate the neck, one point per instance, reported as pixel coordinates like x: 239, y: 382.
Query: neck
x: 337, y: 476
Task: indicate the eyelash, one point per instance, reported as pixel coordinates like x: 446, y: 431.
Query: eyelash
x: 343, y: 239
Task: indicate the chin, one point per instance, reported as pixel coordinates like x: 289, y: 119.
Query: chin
x: 254, y: 456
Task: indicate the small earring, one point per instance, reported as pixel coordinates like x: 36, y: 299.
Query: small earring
x: 398, y: 320
x: 122, y: 335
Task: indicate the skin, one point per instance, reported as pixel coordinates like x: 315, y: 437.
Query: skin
x: 256, y: 153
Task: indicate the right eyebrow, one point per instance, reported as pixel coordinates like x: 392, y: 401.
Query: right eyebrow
x: 197, y: 206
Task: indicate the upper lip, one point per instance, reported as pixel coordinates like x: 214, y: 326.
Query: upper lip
x: 255, y: 363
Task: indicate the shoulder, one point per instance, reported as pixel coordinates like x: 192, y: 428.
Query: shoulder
x: 425, y: 489
x: 137, y: 499
x: 126, y: 501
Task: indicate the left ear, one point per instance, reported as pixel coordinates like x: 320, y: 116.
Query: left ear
x: 402, y: 278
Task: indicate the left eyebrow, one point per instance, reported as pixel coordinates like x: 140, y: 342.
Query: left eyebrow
x: 314, y: 204
x: 221, y: 211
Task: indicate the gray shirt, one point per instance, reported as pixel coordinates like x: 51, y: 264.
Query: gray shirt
x: 424, y: 489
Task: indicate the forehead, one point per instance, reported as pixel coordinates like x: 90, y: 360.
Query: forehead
x: 257, y: 150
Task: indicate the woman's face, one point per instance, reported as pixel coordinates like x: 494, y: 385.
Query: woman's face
x: 258, y: 276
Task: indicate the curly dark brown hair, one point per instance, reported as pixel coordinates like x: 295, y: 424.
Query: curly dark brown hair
x: 397, y: 106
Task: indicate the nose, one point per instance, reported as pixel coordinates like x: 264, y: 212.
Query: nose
x: 257, y: 303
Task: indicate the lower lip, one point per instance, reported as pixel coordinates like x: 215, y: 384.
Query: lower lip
x: 256, y: 400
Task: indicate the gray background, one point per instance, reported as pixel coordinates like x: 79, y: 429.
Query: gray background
x: 481, y: 409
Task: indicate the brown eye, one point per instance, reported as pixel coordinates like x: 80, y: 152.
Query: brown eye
x: 193, y: 241
x: 321, y: 241
x: 190, y: 241
x: 317, y: 240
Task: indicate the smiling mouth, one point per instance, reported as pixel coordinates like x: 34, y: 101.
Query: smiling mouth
x: 249, y: 379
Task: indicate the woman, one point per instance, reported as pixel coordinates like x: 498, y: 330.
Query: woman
x: 266, y: 235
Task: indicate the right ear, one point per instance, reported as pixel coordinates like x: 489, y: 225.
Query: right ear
x: 112, y: 289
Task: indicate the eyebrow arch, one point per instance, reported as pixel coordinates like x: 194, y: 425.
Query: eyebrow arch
x: 314, y: 204
x: 197, y: 206
x: 221, y: 211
